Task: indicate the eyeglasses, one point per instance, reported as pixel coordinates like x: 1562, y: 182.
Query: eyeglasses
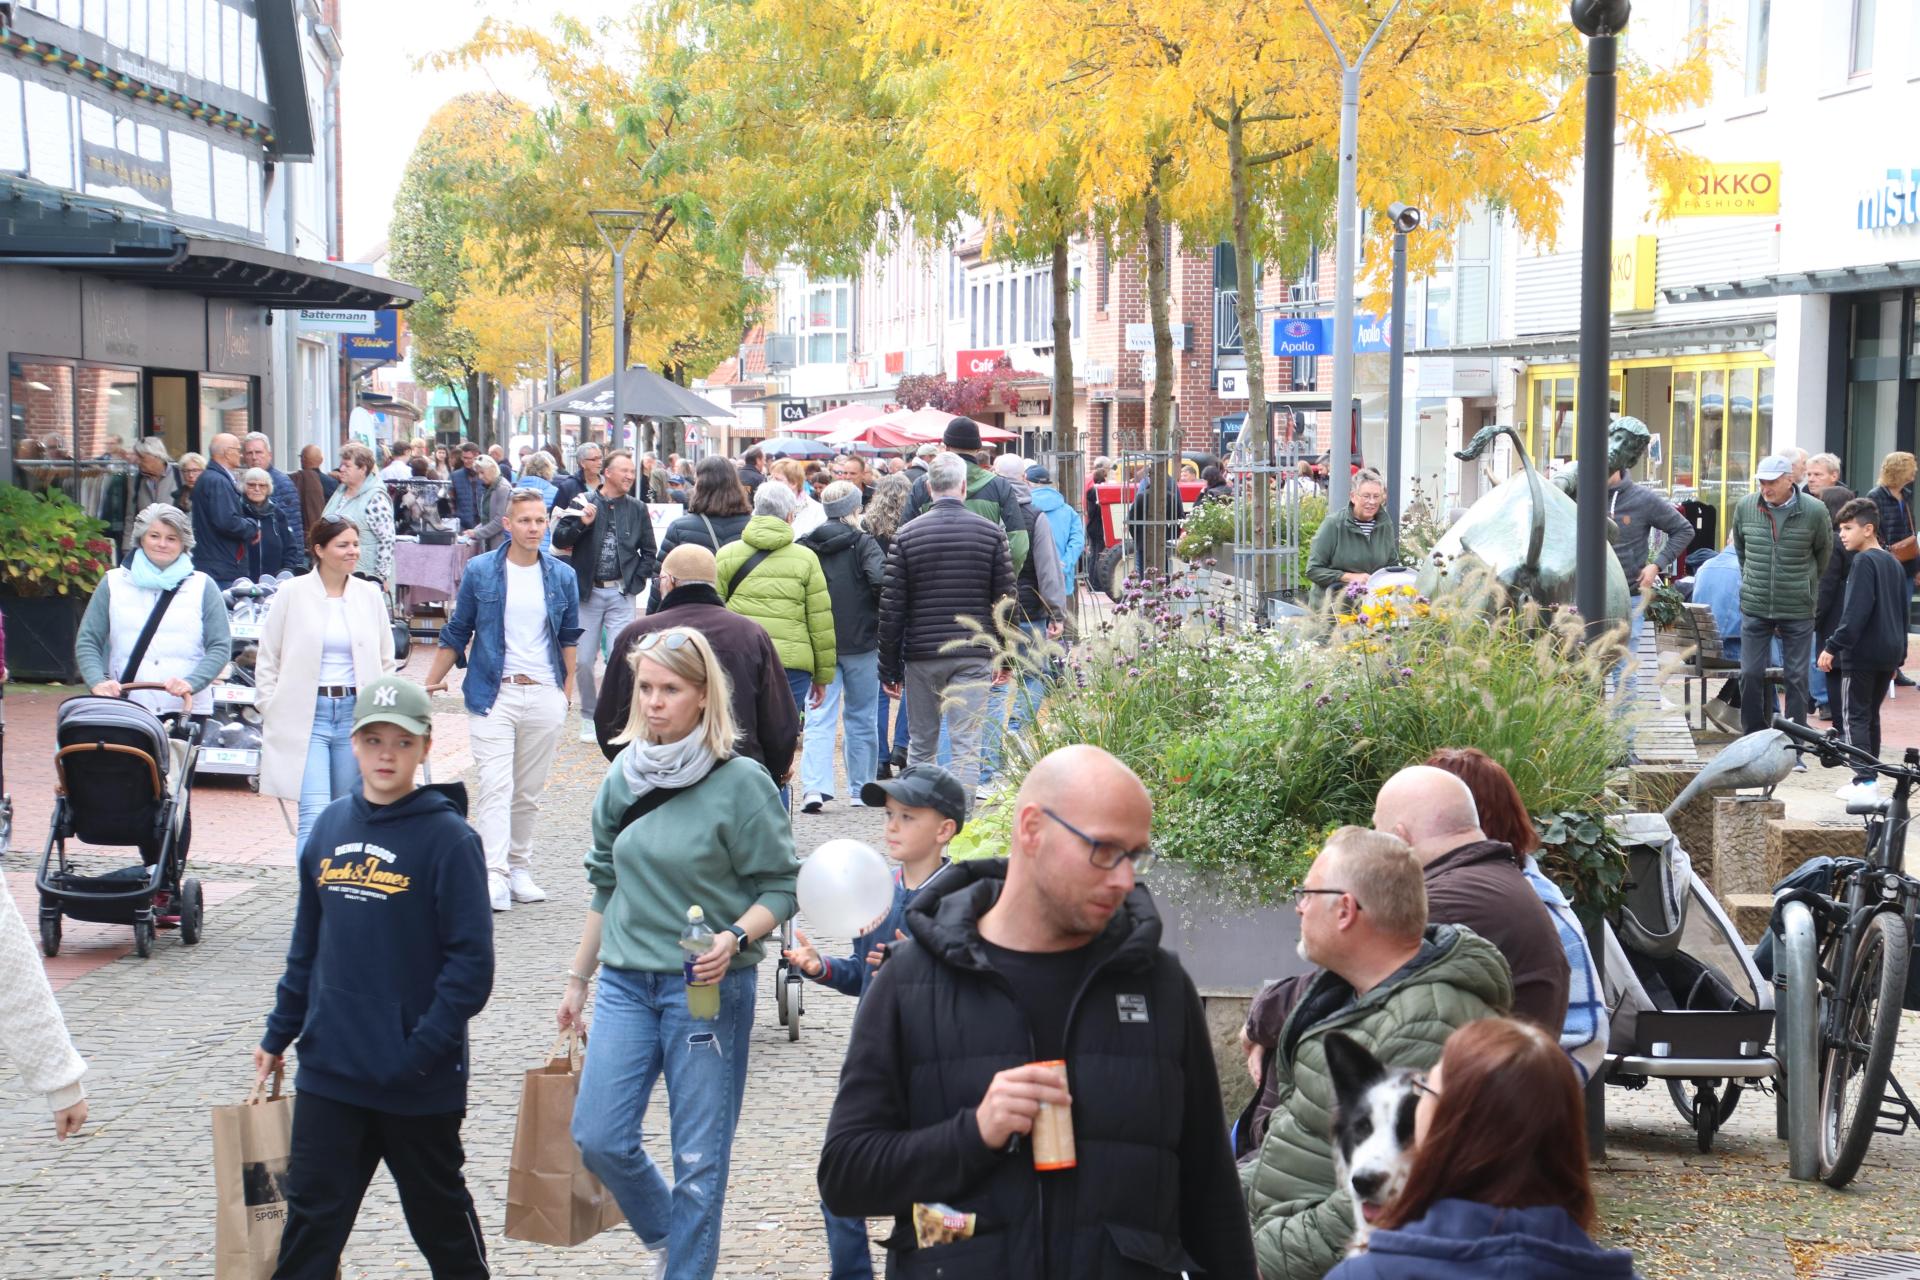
x: 1301, y: 891
x: 1142, y: 858
x: 670, y: 640
x: 1420, y: 1084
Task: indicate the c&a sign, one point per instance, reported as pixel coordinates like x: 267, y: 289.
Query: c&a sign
x: 1728, y: 190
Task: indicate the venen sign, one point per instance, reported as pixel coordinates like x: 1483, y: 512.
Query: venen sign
x: 1723, y: 190
x: 1893, y: 204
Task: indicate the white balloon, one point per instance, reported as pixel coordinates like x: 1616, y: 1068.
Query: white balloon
x: 844, y: 887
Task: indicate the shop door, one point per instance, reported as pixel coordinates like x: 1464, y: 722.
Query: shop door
x: 168, y: 395
x: 1648, y: 396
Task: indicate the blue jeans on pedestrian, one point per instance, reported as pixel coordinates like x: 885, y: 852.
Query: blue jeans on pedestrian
x: 856, y: 682
x: 641, y: 1029
x: 331, y: 771
x: 848, y: 1248
x: 1757, y: 704
x: 1013, y: 705
x: 893, y: 726
x: 800, y: 684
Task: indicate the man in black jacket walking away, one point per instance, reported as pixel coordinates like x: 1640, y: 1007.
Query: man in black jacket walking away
x: 1870, y: 642
x: 856, y: 569
x: 946, y: 566
x: 1050, y: 956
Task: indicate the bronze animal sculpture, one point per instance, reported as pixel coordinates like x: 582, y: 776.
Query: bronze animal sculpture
x: 1523, y: 532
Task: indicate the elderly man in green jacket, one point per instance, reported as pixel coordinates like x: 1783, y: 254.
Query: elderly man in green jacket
x: 1785, y: 538
x: 1393, y: 983
x: 768, y: 577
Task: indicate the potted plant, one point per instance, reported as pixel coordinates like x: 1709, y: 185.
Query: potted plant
x: 52, y: 556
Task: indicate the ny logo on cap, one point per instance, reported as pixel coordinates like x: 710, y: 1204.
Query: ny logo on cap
x: 386, y: 697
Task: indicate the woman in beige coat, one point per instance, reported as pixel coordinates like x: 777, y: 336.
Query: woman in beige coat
x: 327, y: 633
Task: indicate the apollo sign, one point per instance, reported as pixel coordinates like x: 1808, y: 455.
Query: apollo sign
x: 977, y: 364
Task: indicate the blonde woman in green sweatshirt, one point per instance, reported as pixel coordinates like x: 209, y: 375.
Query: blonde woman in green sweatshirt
x: 680, y: 821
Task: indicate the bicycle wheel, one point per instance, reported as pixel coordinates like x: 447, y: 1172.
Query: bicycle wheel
x: 1858, y: 1049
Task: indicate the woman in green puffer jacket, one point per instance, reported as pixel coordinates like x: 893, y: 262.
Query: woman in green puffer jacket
x: 784, y: 591
x: 1351, y: 544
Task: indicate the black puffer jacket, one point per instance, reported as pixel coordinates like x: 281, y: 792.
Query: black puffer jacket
x: 856, y: 569
x: 1154, y: 1193
x: 711, y: 532
x: 945, y: 565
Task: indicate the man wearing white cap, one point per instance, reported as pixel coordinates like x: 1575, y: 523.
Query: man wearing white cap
x: 1784, y: 538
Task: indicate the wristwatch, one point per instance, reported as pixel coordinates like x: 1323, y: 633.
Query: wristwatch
x: 740, y: 938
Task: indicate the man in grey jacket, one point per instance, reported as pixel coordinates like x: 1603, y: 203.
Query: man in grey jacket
x: 1635, y: 513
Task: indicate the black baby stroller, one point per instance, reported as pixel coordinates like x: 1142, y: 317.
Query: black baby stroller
x: 1686, y: 1004
x: 123, y: 776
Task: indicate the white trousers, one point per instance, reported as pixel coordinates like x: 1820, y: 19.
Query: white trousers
x: 513, y: 748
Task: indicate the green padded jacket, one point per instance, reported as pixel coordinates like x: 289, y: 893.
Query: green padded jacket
x: 1301, y: 1224
x: 1783, y: 552
x: 786, y: 593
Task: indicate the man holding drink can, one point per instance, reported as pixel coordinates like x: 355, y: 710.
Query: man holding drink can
x: 1030, y: 1088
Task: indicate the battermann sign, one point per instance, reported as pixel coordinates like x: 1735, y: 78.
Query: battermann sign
x: 1892, y: 205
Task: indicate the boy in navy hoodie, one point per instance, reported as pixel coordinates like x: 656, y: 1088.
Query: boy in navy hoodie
x: 392, y: 956
x: 1869, y: 646
x: 926, y: 807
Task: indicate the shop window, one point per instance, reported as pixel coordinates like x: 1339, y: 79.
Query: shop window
x: 226, y: 404
x: 1681, y: 438
x: 1763, y: 414
x: 1561, y: 415
x: 40, y: 413
x: 1713, y: 429
x: 1740, y: 454
x: 73, y: 429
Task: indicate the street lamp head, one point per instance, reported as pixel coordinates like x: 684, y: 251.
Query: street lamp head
x: 1600, y: 17
x: 1405, y: 217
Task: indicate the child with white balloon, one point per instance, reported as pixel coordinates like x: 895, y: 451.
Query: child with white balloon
x: 839, y: 892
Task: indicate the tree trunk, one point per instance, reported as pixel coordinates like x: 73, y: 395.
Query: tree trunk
x: 1066, y: 434
x: 1253, y: 431
x: 470, y: 418
x: 1160, y: 438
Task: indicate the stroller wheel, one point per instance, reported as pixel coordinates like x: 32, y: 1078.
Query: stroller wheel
x: 50, y: 934
x: 1683, y: 1095
x: 143, y: 937
x: 192, y: 911
x: 780, y: 990
x: 794, y: 1007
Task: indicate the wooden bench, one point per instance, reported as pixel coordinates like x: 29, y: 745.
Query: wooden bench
x: 1696, y: 641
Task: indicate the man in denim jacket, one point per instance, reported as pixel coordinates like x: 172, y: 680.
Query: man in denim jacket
x: 514, y: 628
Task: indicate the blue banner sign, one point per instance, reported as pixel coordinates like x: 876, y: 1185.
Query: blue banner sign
x: 380, y: 345
x: 1313, y: 335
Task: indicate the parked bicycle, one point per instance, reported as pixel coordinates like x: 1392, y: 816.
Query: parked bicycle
x: 1842, y: 974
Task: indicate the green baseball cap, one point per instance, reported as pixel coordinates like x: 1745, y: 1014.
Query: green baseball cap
x: 394, y: 700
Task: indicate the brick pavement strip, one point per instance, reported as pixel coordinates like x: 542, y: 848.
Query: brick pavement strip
x: 169, y: 1037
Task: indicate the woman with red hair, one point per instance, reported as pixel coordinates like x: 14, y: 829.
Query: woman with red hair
x: 1495, y: 1189
x: 1503, y: 816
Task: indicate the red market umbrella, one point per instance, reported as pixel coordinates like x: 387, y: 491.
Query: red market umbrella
x: 829, y: 420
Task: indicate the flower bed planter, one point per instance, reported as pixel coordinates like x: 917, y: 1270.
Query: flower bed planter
x: 1227, y: 947
x: 40, y: 636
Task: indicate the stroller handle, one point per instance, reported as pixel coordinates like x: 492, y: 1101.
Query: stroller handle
x: 158, y: 687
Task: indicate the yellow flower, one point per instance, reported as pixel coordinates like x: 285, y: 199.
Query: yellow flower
x: 1346, y: 619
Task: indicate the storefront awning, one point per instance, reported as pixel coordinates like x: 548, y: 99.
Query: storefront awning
x: 48, y: 227
x: 1880, y: 275
x: 1627, y: 343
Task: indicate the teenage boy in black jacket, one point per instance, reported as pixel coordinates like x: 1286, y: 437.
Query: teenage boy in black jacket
x: 1869, y: 645
x: 1052, y: 954
x: 392, y: 956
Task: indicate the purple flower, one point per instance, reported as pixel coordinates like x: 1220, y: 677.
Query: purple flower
x: 1406, y: 673
x: 1133, y: 673
x: 1323, y: 699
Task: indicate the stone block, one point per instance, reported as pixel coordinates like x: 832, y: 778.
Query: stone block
x: 1226, y: 1014
x: 1751, y: 913
x: 1740, y: 845
x: 1791, y: 841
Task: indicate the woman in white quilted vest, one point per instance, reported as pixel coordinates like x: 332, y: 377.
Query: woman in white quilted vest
x: 326, y: 634
x: 188, y: 644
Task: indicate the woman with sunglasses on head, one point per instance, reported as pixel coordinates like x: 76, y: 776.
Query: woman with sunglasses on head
x: 1495, y: 1189
x: 681, y: 822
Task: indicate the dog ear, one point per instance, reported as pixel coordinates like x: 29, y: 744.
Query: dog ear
x: 1351, y: 1067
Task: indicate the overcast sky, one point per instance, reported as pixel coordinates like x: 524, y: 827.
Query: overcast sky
x: 385, y: 101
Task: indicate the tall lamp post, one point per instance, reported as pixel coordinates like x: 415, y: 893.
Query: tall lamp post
x: 1601, y: 21
x: 1346, y: 252
x: 1405, y: 218
x: 617, y: 228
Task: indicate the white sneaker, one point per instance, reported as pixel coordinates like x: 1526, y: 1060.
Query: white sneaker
x: 814, y: 802
x: 587, y: 734
x: 523, y: 887
x: 500, y: 889
x: 657, y: 1260
x: 1859, y: 792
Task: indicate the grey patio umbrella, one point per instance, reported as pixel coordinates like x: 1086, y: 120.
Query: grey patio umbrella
x: 643, y: 394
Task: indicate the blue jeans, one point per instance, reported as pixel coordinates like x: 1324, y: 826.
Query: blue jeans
x: 1024, y: 692
x: 641, y: 1028
x: 848, y: 1248
x: 856, y: 681
x: 331, y: 770
x: 1795, y: 635
x: 800, y: 684
x: 893, y: 726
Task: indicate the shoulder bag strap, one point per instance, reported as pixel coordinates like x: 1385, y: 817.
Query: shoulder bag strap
x: 147, y: 632
x: 712, y: 537
x: 740, y: 574
x: 646, y: 804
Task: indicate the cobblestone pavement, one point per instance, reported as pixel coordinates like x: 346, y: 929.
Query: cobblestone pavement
x: 169, y: 1037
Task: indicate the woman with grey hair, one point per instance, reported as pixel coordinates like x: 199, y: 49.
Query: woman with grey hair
x: 189, y: 644
x: 491, y: 532
x: 1353, y: 543
x: 190, y: 467
x: 362, y: 500
x: 157, y: 482
x: 278, y: 548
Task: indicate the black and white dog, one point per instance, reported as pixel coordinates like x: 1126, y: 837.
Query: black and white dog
x: 1373, y: 1108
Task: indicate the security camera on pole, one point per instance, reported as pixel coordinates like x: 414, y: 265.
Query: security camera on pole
x: 1346, y: 253
x: 1405, y: 218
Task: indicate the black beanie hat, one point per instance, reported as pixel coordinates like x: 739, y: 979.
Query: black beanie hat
x: 962, y: 435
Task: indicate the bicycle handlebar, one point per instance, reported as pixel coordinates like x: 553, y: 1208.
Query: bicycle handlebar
x: 1835, y: 750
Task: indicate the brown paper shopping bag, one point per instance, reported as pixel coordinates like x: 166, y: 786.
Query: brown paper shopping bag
x: 251, y: 1144
x: 551, y: 1198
